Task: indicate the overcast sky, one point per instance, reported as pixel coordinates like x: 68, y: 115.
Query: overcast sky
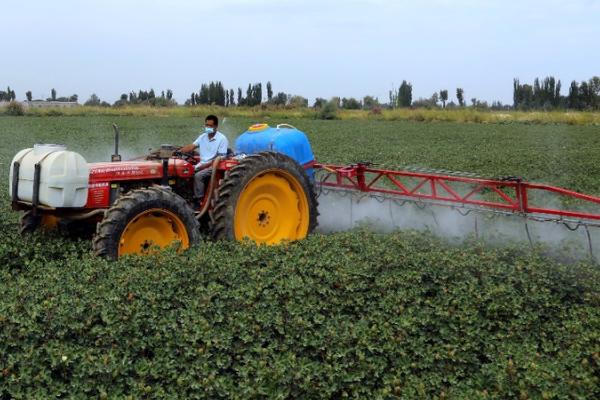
x: 312, y: 48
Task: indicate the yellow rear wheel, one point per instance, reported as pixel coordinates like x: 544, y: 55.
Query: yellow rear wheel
x: 271, y: 208
x: 267, y: 198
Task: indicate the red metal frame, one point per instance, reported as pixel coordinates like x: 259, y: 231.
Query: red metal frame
x: 495, y: 195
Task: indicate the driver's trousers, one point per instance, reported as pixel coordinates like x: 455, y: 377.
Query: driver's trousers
x: 200, y: 179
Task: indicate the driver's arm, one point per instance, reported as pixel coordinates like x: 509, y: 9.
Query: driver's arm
x: 188, y: 148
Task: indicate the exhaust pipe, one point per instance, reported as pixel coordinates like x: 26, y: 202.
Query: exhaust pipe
x: 116, y: 157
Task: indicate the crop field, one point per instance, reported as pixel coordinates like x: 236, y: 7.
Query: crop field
x: 354, y: 314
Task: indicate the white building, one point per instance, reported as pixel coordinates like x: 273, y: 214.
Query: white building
x: 50, y: 104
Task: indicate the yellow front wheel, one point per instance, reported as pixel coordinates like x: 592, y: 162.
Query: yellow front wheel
x: 143, y: 221
x: 150, y: 229
x: 267, y: 198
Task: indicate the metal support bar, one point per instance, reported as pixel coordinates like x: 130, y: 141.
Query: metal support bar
x: 165, y: 176
x: 360, y: 177
x: 15, y: 182
x: 35, y: 200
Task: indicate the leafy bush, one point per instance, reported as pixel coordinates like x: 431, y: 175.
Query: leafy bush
x: 371, y: 317
x: 328, y: 111
x: 14, y: 108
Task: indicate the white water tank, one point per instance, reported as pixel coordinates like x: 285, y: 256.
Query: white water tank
x: 64, y: 176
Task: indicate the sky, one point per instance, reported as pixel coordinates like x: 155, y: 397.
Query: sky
x: 346, y: 48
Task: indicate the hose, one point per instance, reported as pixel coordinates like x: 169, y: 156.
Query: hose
x: 87, y: 215
x: 211, y: 186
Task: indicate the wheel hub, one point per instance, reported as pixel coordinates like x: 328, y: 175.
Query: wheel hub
x: 263, y: 218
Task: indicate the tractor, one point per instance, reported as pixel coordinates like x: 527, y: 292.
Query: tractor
x: 264, y: 193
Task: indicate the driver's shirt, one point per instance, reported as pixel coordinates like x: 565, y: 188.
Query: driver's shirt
x: 210, y: 148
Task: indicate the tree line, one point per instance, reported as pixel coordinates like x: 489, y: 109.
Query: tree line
x: 8, y: 95
x: 216, y: 93
x: 141, y: 97
x: 542, y: 94
x: 584, y: 95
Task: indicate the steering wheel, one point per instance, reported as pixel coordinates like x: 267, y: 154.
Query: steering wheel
x: 187, y: 156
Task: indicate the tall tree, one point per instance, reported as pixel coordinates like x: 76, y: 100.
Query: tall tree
x: 405, y: 94
x: 594, y: 85
x: 203, y: 95
x: 53, y: 94
x: 269, y: 92
x: 556, y: 102
x: 585, y: 96
x: 460, y: 96
x: 220, y: 100
x: 257, y: 93
x: 249, y: 97
x: 516, y: 92
x: 28, y: 95
x: 231, y: 97
x: 393, y: 98
x: 538, y: 94
x: 240, y: 99
x: 444, y: 97
x: 573, y: 99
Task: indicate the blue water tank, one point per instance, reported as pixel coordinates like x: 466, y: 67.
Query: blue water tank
x: 284, y: 139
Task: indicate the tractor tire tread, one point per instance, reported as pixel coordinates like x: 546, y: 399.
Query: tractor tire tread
x: 225, y: 199
x: 108, y: 231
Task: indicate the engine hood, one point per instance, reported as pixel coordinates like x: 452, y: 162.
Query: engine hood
x: 128, y: 170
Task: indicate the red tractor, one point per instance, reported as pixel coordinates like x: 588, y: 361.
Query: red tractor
x: 265, y: 193
x: 138, y: 205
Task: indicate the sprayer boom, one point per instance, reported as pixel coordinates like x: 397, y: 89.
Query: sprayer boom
x: 509, y: 195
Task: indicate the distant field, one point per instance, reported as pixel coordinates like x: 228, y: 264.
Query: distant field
x: 401, y: 114
x: 355, y: 314
x: 558, y: 154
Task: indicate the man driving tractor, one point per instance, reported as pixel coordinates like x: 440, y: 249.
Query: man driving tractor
x: 210, y: 144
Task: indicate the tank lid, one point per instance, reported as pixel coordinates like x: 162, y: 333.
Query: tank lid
x: 41, y: 148
x: 258, y: 127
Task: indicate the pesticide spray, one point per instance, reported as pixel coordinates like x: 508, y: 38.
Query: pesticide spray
x: 342, y: 210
